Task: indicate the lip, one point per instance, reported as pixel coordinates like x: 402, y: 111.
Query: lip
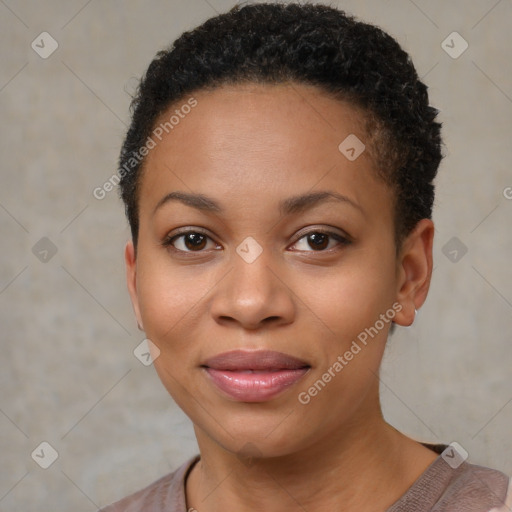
x: 265, y: 360
x: 254, y: 376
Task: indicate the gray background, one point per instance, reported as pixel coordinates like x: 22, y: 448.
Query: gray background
x: 68, y: 374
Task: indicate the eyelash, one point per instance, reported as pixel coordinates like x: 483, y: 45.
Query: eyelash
x: 342, y: 240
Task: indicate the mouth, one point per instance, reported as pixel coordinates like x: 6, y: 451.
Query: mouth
x: 254, y: 376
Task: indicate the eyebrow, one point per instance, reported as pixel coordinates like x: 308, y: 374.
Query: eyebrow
x: 295, y: 204
x: 198, y: 201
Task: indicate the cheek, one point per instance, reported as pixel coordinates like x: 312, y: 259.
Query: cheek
x: 349, y: 299
x: 353, y: 330
x: 352, y: 345
x: 168, y: 297
x: 350, y: 303
x: 170, y: 305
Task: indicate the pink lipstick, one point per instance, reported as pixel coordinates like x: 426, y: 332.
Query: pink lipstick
x: 254, y: 376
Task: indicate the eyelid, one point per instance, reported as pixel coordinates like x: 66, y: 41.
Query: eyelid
x: 326, y: 230
x: 186, y: 230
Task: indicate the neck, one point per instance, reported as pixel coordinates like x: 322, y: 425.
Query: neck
x: 367, y: 466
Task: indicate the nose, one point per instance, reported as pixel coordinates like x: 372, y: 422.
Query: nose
x: 253, y: 295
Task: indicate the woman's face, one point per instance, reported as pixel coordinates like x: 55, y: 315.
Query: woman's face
x: 266, y: 163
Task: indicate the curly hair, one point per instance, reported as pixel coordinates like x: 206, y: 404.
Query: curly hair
x: 310, y: 44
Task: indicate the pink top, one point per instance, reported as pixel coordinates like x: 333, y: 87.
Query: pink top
x: 441, y: 488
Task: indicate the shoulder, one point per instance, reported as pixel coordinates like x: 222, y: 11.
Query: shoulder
x: 165, y: 494
x: 451, y: 485
x: 477, y: 489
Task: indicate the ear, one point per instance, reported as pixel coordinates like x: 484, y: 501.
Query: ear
x: 414, y: 271
x: 131, y: 279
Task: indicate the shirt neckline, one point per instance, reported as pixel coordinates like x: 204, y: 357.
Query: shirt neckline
x: 438, y: 468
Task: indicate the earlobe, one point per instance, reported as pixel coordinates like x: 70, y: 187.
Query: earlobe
x: 414, y: 271
x: 131, y: 280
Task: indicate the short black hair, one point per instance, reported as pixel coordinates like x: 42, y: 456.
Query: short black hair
x: 311, y: 44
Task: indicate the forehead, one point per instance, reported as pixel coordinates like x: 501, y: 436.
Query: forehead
x: 262, y: 141
x: 284, y: 113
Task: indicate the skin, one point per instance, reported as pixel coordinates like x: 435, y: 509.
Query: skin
x: 249, y: 147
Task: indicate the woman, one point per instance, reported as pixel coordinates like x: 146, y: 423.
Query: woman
x: 278, y: 180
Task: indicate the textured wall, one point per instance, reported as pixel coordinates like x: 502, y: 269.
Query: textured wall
x: 68, y: 375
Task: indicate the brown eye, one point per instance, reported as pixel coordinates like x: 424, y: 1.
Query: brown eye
x: 319, y: 241
x: 190, y: 241
x: 195, y: 241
